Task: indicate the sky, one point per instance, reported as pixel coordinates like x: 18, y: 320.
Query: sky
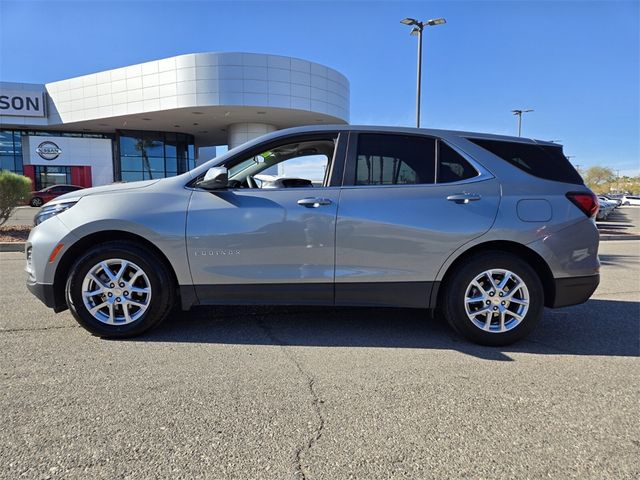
x: 576, y: 63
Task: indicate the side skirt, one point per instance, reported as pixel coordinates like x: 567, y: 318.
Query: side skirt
x: 380, y: 294
x: 385, y: 294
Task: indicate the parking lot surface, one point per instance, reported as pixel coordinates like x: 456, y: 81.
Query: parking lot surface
x: 323, y: 393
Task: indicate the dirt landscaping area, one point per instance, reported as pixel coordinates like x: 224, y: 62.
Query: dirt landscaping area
x: 14, y: 233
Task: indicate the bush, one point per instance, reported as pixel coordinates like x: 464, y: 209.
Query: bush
x: 14, y: 190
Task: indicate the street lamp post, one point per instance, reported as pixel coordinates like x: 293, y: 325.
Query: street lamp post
x: 417, y: 30
x: 519, y: 114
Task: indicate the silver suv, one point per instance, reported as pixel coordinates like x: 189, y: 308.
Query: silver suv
x: 486, y: 229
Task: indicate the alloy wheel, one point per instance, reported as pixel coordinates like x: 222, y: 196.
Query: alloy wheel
x: 497, y: 300
x: 116, y: 291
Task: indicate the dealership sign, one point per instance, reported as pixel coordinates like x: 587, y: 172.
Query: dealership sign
x: 48, y: 150
x: 22, y: 103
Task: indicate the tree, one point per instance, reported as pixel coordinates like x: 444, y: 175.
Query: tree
x: 14, y: 190
x: 598, y: 177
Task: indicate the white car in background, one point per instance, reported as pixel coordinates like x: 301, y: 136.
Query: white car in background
x: 631, y: 200
x: 616, y: 199
x: 606, y: 207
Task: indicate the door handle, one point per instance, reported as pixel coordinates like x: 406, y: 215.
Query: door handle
x: 313, y: 202
x: 464, y: 197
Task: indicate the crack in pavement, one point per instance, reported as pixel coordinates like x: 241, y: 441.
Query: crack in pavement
x: 40, y: 329
x: 301, y: 471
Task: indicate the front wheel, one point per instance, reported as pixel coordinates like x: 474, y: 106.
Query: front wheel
x: 36, y: 202
x: 494, y: 298
x: 118, y: 290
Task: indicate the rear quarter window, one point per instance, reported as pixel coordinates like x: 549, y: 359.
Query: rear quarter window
x: 541, y: 161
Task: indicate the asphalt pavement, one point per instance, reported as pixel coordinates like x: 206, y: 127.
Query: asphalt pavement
x: 273, y: 393
x: 622, y: 222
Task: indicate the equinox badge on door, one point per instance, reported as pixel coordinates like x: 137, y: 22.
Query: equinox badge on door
x: 216, y: 253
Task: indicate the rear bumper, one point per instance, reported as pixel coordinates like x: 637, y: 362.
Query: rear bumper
x: 574, y: 290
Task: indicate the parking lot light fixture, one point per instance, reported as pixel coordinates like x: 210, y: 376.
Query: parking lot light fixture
x: 417, y: 29
x: 518, y: 113
x: 436, y: 21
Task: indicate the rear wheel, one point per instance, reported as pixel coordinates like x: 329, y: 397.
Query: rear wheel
x: 494, y: 298
x: 118, y: 289
x: 36, y: 202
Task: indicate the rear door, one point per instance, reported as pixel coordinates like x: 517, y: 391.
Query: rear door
x: 407, y: 203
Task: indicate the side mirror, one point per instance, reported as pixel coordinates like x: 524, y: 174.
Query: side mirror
x: 216, y: 178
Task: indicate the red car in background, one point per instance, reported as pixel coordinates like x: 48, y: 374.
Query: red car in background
x: 41, y: 197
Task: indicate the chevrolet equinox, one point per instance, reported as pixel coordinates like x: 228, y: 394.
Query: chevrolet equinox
x: 486, y: 229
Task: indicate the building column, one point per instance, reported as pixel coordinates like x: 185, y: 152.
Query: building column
x: 239, y: 133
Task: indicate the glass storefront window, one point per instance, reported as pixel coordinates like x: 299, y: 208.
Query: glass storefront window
x: 7, y: 163
x: 172, y: 164
x: 131, y: 176
x: 153, y: 164
x: 131, y: 164
x: 130, y: 146
x: 6, y: 143
x: 153, y: 145
x: 146, y: 155
x: 48, y: 176
x: 11, y: 151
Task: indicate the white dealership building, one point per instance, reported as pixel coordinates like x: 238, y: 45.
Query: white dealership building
x: 149, y: 120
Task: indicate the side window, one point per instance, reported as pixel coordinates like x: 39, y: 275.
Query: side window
x: 451, y: 166
x: 389, y: 159
x: 542, y: 161
x: 309, y: 167
x: 303, y: 163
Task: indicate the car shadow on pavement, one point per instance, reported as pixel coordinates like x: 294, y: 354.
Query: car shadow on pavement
x: 618, y: 260
x: 598, y: 327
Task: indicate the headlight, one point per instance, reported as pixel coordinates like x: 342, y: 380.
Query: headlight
x: 49, y: 211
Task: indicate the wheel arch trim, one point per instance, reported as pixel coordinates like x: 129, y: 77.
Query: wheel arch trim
x: 533, y: 258
x: 73, y: 251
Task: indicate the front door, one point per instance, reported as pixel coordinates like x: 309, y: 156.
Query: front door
x: 270, y: 238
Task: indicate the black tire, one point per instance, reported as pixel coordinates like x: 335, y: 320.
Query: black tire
x: 163, y: 290
x: 453, y: 300
x: 36, y: 202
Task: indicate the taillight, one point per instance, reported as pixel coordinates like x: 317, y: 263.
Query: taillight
x: 585, y: 201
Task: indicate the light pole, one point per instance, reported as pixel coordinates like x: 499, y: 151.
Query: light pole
x: 417, y: 30
x: 519, y: 114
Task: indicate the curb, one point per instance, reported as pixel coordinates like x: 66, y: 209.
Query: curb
x: 12, y: 246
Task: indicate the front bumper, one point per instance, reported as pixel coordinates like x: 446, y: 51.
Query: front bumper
x: 46, y: 294
x: 574, y: 290
x: 43, y: 291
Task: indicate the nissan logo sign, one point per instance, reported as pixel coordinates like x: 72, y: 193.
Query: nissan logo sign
x: 48, y: 150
